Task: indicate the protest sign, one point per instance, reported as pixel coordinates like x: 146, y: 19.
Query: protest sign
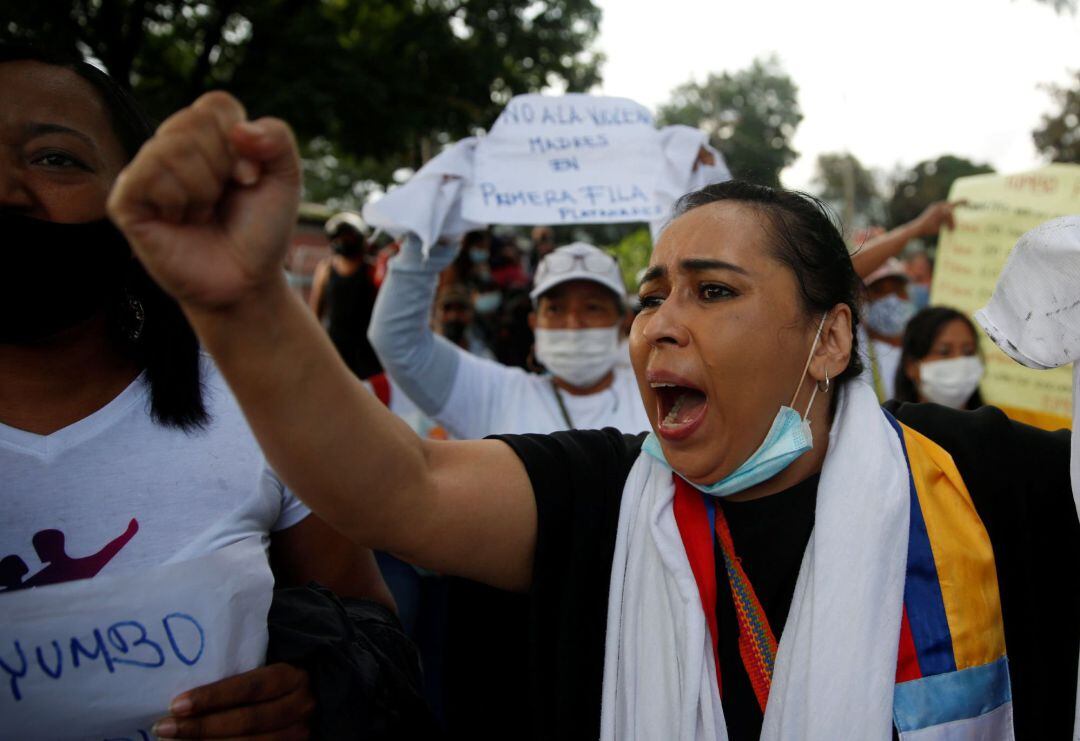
x: 1001, y: 208
x: 568, y: 159
x: 101, y: 658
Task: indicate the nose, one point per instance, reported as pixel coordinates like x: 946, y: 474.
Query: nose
x: 14, y: 192
x: 664, y: 327
x: 575, y: 320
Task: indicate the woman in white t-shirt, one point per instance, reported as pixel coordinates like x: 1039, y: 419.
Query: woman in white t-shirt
x: 121, y: 446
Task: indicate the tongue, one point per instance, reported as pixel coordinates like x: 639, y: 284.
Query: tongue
x: 685, y: 408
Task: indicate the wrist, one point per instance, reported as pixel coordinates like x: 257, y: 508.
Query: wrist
x: 258, y: 306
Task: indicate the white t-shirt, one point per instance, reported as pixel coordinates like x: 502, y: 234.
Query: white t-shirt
x: 117, y: 491
x: 489, y: 398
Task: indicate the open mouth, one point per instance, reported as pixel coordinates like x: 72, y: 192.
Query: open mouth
x: 680, y: 409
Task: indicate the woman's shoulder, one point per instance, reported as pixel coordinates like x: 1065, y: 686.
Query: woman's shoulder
x: 577, y: 476
x: 601, y: 455
x: 978, y: 432
x: 1018, y: 476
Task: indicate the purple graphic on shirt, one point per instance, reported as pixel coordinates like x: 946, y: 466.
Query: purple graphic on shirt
x: 12, y: 570
x: 59, y: 566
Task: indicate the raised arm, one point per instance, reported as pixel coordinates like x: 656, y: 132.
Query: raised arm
x: 208, y: 205
x: 422, y: 364
x: 873, y: 254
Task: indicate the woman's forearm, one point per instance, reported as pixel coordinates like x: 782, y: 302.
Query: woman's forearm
x: 875, y: 252
x: 422, y: 365
x: 359, y: 467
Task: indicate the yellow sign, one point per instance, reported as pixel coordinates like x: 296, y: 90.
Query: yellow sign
x: 1000, y: 209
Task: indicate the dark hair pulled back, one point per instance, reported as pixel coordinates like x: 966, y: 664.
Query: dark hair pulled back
x: 804, y: 236
x: 166, y: 346
x: 919, y: 336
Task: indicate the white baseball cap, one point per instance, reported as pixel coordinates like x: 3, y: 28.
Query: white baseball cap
x: 892, y: 268
x: 346, y: 218
x: 578, y: 261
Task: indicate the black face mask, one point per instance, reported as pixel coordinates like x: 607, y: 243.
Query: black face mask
x: 454, y: 331
x: 56, y: 275
x: 350, y: 248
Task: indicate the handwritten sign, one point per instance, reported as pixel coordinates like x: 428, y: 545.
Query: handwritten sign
x: 101, y: 658
x: 1000, y: 209
x: 567, y: 159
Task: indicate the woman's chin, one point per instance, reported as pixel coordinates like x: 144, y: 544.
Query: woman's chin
x: 696, y: 466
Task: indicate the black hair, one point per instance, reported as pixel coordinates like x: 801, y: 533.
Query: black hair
x: 164, y: 345
x: 475, y: 237
x: 919, y: 336
x: 805, y: 237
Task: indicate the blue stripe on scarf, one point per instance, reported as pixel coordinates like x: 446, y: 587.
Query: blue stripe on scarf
x: 922, y: 592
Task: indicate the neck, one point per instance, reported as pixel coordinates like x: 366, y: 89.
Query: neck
x: 48, y: 386
x: 807, y: 464
x: 600, y: 385
x: 894, y: 341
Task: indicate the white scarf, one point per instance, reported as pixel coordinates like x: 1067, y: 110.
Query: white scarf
x: 836, y: 662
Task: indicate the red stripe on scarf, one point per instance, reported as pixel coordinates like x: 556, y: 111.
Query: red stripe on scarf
x: 907, y: 664
x: 693, y: 522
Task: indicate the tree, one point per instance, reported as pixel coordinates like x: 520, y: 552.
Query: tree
x: 843, y: 181
x: 385, y: 81
x: 750, y: 116
x: 1059, y: 136
x: 633, y: 252
x: 927, y: 182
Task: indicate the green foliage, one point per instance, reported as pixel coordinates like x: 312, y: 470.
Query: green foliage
x: 386, y: 81
x: 633, y: 253
x: 1059, y: 135
x: 750, y: 116
x: 927, y: 182
x: 839, y: 172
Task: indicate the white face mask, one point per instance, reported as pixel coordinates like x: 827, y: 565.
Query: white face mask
x: 581, y: 357
x: 950, y: 382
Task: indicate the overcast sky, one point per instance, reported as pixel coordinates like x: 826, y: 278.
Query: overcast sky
x: 892, y: 82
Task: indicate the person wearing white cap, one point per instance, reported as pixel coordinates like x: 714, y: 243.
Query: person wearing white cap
x: 343, y: 292
x: 579, y: 304
x: 886, y: 314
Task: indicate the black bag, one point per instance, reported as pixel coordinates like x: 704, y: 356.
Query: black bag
x: 365, y: 672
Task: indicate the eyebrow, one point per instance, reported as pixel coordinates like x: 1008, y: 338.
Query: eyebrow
x: 694, y: 265
x: 40, y: 129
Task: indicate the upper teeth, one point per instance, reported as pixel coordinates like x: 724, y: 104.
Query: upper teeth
x: 662, y: 385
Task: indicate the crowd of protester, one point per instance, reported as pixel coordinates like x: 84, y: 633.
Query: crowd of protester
x: 508, y: 587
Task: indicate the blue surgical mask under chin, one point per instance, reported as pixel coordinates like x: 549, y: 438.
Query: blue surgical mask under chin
x: 787, y: 439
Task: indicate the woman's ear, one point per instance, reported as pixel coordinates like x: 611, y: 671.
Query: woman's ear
x: 834, y: 347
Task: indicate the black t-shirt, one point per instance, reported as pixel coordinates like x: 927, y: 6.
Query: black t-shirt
x: 350, y: 300
x: 1018, y: 478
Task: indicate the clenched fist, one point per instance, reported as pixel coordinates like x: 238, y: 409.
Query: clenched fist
x: 209, y: 202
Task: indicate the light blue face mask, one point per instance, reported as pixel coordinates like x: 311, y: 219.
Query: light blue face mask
x: 787, y: 439
x: 888, y: 316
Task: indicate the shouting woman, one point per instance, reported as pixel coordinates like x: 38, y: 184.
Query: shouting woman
x: 780, y: 557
